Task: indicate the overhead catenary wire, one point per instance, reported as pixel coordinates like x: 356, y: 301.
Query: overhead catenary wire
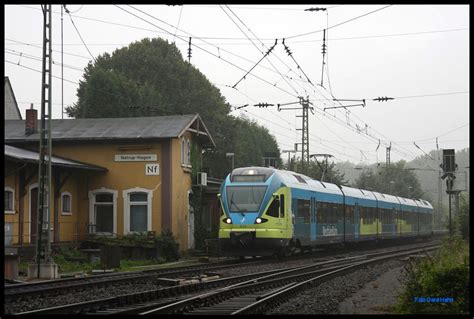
x: 269, y: 61
x: 233, y: 54
x: 26, y: 67
x: 80, y: 36
x: 32, y: 57
x: 39, y: 47
x: 406, y: 97
x: 238, y: 38
x: 336, y: 25
x: 194, y: 45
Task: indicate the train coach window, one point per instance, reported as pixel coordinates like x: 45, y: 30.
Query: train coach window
x: 340, y: 213
x: 282, y: 206
x: 319, y: 212
x: 349, y: 214
x: 303, y: 210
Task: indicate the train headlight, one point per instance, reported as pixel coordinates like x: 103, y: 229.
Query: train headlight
x: 228, y: 221
x: 258, y: 220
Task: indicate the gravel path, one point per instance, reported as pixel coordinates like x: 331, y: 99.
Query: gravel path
x: 377, y: 296
x: 325, y: 298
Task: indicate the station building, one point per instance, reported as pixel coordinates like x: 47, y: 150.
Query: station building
x: 112, y: 176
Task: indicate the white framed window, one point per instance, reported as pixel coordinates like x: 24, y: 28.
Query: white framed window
x: 183, y: 152
x: 103, y: 211
x: 9, y: 203
x: 137, y: 210
x: 66, y: 203
x: 188, y: 153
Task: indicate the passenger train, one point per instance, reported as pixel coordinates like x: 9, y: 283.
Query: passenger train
x: 267, y: 211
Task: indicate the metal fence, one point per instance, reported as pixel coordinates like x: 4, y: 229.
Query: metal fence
x: 67, y: 232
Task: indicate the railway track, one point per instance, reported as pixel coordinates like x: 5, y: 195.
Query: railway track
x: 51, y: 288
x: 182, y: 298
x: 257, y: 296
x: 43, y: 288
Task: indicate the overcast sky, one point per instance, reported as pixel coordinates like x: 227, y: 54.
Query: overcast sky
x: 418, y: 54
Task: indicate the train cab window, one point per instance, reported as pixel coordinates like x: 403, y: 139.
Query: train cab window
x: 274, y: 208
x: 282, y: 206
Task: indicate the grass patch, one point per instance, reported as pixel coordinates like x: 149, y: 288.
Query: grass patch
x: 445, y: 275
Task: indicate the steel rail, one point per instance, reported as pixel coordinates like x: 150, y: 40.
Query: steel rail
x: 216, y: 297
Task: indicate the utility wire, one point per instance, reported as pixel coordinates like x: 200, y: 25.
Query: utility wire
x: 23, y: 66
x: 213, y: 54
x: 254, y: 43
x: 426, y: 95
x: 238, y: 56
x: 238, y: 38
x: 303, y: 34
x: 32, y: 57
x: 40, y: 47
x: 179, y: 20
x: 70, y: 17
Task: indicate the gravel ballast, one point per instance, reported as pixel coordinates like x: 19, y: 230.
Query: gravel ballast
x: 326, y: 297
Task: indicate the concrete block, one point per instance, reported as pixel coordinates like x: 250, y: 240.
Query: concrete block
x: 47, y: 271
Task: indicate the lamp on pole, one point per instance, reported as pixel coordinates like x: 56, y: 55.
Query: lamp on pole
x: 289, y: 151
x: 231, y: 155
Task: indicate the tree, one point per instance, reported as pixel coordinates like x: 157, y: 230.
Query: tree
x: 150, y: 78
x: 395, y: 179
x: 315, y: 171
x: 462, y: 218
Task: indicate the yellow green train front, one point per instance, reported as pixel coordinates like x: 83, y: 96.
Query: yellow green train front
x: 266, y: 211
x: 255, y: 218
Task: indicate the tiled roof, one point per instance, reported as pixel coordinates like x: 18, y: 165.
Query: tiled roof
x: 108, y: 128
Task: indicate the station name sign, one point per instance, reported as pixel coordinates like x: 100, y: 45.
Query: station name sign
x: 136, y: 157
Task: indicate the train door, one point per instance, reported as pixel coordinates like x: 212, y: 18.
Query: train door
x: 281, y: 221
x: 356, y: 221
x: 394, y: 222
x: 303, y: 220
x: 313, y: 219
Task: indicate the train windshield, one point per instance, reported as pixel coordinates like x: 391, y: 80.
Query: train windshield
x: 243, y: 199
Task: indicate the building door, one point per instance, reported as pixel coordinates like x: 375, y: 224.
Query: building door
x: 191, y: 221
x: 33, y: 215
x: 104, y: 213
x: 313, y: 219
x: 8, y: 234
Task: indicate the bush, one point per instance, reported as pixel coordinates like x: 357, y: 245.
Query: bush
x: 167, y: 246
x: 446, y: 275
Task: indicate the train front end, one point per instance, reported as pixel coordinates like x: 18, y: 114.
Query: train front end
x: 254, y: 220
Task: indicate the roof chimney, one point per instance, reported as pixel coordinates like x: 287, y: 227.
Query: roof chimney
x: 31, y: 121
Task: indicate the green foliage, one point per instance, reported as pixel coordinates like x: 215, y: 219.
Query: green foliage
x: 398, y: 173
x: 315, y: 170
x: 462, y: 220
x: 168, y: 246
x: 444, y: 275
x: 132, y: 239
x: 150, y: 78
x: 165, y: 242
x: 126, y: 265
x: 71, y: 259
